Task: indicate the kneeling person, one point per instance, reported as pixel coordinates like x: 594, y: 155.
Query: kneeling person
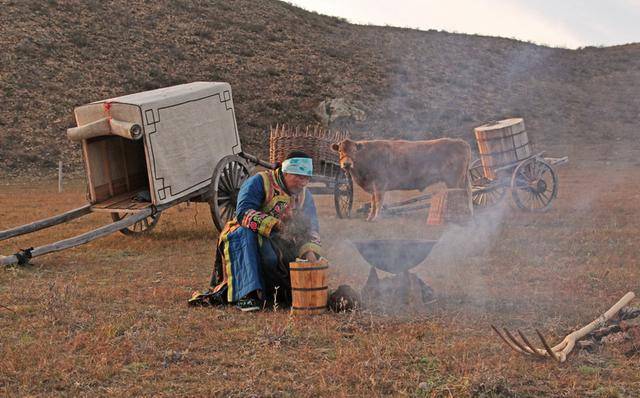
x: 255, y: 248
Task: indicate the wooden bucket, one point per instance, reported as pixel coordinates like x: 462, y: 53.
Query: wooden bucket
x: 502, y: 143
x: 309, y: 287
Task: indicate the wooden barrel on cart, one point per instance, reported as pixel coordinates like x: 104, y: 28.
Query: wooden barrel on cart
x: 502, y: 143
x: 309, y: 287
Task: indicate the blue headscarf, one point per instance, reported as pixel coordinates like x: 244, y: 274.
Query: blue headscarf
x: 300, y: 166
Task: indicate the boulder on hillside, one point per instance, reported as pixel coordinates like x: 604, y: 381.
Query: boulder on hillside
x: 338, y: 112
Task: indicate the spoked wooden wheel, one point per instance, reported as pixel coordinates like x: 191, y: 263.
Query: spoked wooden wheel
x: 226, y: 181
x: 141, y: 227
x: 534, y: 185
x: 343, y: 194
x: 485, y: 192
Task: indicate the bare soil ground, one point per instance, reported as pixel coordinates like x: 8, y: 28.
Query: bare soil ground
x: 110, y: 318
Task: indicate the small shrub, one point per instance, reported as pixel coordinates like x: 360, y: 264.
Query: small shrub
x: 337, y: 53
x: 244, y: 51
x: 253, y: 27
x: 79, y: 39
x: 271, y: 71
x: 204, y: 34
x: 588, y: 370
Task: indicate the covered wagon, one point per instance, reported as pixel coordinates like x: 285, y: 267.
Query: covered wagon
x: 146, y: 152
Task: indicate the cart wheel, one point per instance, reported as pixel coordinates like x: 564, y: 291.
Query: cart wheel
x: 228, y: 176
x: 343, y: 194
x: 141, y: 227
x: 534, y: 185
x: 485, y: 192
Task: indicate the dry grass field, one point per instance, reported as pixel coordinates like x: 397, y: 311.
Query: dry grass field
x: 110, y: 318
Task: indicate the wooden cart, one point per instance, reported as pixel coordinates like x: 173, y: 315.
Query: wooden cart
x: 507, y: 163
x: 149, y: 151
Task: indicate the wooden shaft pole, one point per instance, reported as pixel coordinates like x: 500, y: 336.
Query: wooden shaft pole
x: 45, y: 223
x: 81, y: 239
x: 257, y: 161
x: 409, y: 201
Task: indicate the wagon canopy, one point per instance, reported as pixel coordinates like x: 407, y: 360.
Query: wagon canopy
x: 167, y: 140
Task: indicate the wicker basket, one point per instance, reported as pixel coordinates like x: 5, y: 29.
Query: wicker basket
x: 314, y: 140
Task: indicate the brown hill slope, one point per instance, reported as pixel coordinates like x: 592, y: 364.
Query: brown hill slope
x: 282, y: 61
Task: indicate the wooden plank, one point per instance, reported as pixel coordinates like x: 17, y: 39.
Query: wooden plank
x: 107, y: 166
x: 46, y: 223
x: 87, y: 168
x: 102, y: 192
x: 122, y: 204
x: 406, y: 209
x: 149, y: 171
x: 409, y: 201
x: 116, y: 199
x: 120, y: 210
x: 126, y: 206
x: 81, y: 239
x: 320, y: 190
x: 124, y: 163
x: 116, y: 164
x: 557, y: 161
x: 514, y: 165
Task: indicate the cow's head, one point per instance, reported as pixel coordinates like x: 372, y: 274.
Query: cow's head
x: 346, y: 151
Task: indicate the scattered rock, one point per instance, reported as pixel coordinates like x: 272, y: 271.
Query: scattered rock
x: 338, y: 112
x: 588, y: 345
x: 345, y: 298
x: 614, y: 338
x: 630, y: 324
x: 171, y: 356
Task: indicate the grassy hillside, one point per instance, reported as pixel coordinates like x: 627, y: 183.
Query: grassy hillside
x: 282, y: 61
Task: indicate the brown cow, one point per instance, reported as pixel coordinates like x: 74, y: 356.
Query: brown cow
x: 383, y: 165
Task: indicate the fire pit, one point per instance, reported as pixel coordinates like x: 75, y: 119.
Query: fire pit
x: 404, y: 291
x: 394, y: 255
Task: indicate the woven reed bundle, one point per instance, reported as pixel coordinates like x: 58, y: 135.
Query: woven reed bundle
x: 314, y: 140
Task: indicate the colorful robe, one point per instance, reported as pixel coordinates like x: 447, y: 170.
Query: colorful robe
x: 248, y: 256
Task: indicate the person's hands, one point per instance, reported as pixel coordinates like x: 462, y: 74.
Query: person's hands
x: 282, y: 220
x: 286, y: 214
x: 311, y: 256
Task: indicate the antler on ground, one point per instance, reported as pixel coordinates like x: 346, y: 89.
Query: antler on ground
x: 560, y: 351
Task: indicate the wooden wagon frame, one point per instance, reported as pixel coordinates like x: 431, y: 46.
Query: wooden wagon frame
x: 144, y: 153
x: 507, y: 163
